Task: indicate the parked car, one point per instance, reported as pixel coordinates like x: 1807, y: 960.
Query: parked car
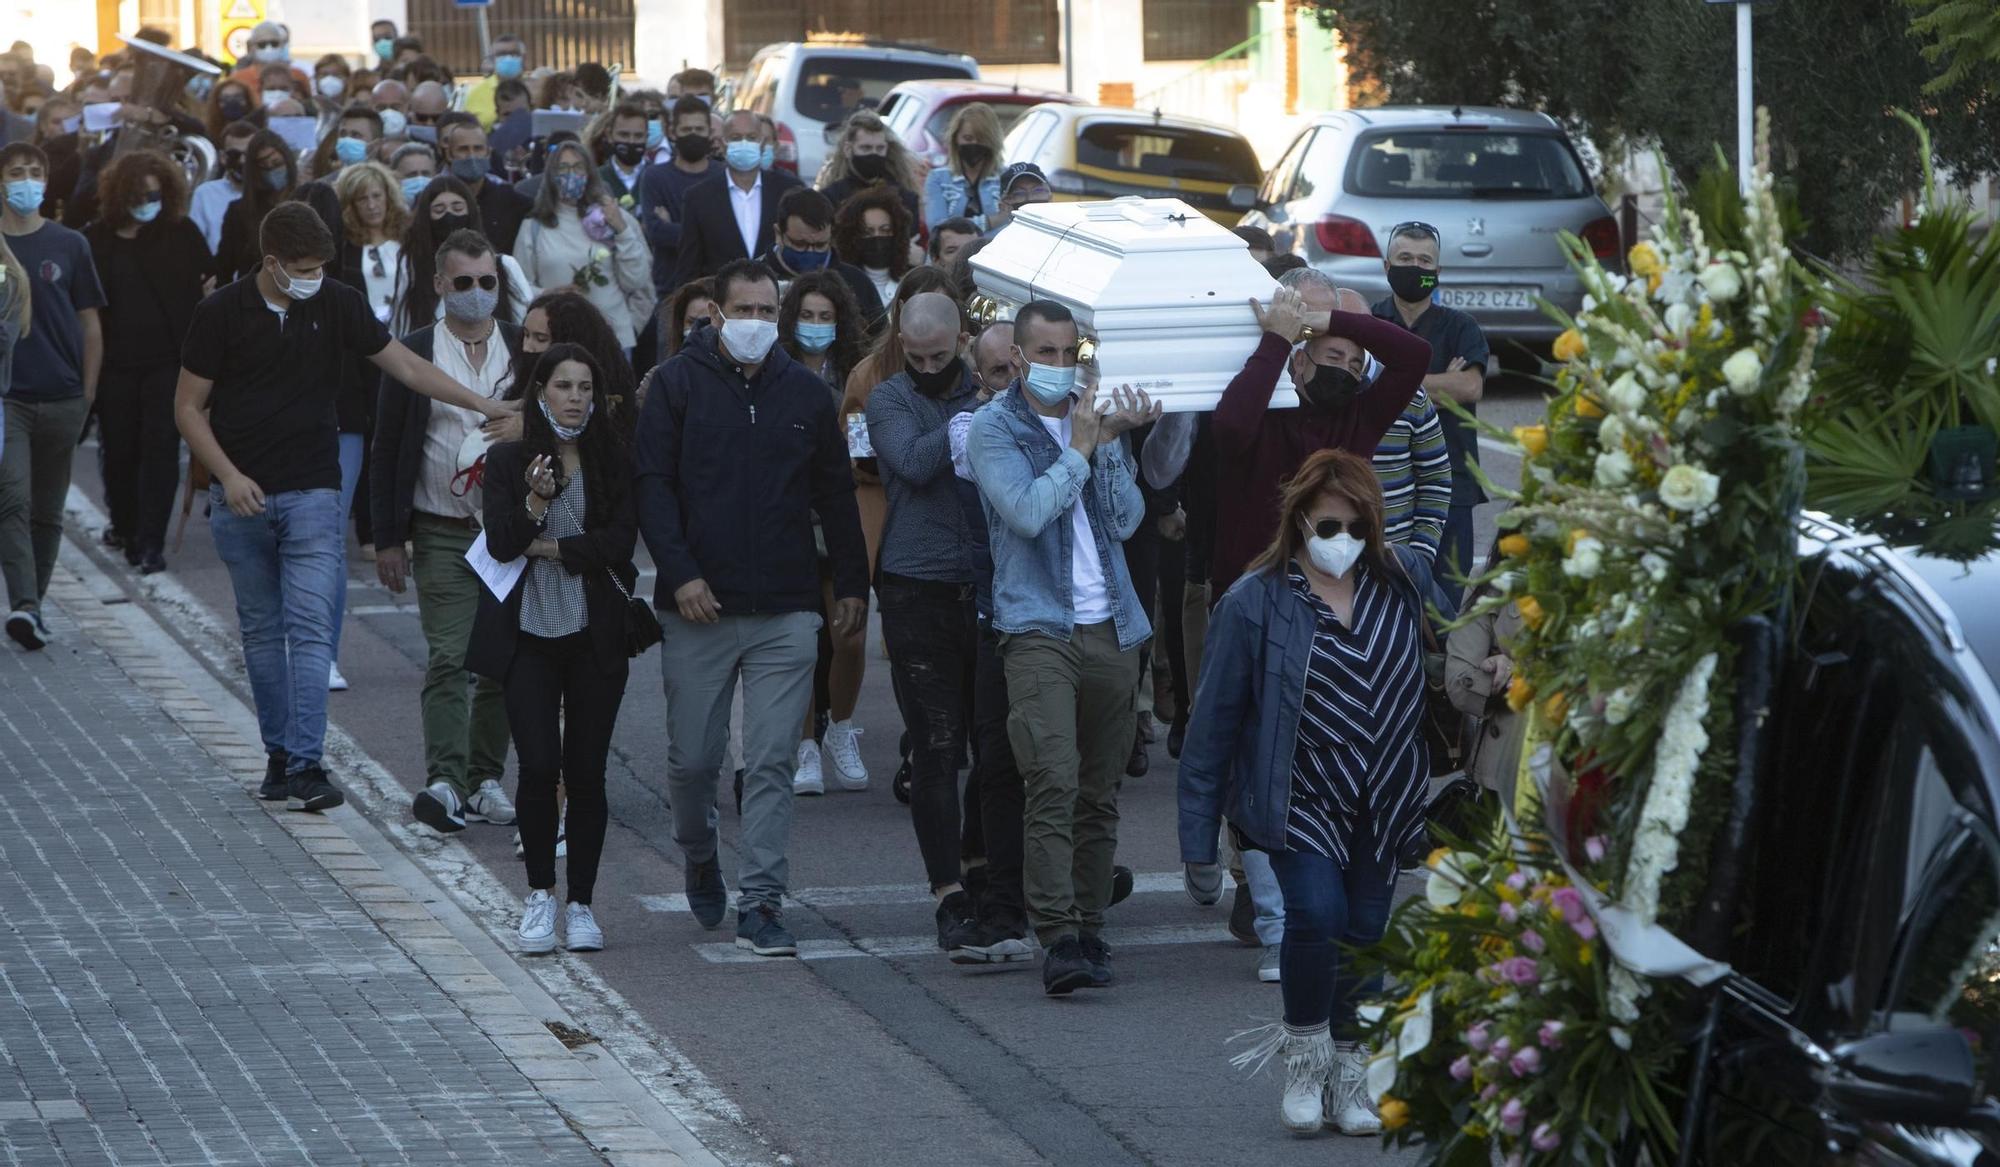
x: 1498, y: 184
x: 809, y: 87
x: 920, y: 112
x: 1103, y: 152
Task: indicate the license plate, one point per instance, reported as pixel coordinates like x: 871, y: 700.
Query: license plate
x: 1477, y: 299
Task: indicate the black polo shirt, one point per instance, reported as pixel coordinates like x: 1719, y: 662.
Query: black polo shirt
x: 1451, y: 333
x: 277, y: 378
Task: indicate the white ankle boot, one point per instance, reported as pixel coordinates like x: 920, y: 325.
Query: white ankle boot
x: 1309, y: 1062
x: 1346, y: 1106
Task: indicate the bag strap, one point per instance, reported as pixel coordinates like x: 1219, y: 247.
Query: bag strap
x: 619, y: 584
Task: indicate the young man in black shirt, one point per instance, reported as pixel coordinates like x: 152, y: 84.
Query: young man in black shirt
x: 259, y: 373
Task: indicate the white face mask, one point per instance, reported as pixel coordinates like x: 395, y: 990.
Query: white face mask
x: 1336, y: 556
x: 749, y: 341
x: 296, y: 288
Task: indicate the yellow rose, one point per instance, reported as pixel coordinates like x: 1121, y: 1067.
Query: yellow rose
x: 1519, y: 693
x: 1569, y: 346
x: 1644, y: 260
x: 1555, y: 709
x: 1533, y: 438
x: 1395, y: 1113
x: 1588, y: 407
x: 1514, y: 546
x: 1531, y: 611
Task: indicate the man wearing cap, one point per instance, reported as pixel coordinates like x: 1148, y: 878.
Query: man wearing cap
x: 1021, y: 184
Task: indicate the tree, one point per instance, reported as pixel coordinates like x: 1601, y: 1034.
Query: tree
x: 1962, y: 34
x: 1832, y: 72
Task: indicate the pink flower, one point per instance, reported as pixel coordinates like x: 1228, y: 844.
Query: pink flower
x: 1586, y: 928
x: 1551, y: 1034
x: 1509, y: 912
x: 1594, y: 848
x: 1461, y: 1070
x: 1532, y: 941
x: 594, y: 226
x: 1528, y: 1061
x: 1488, y: 1094
x: 1518, y: 880
x: 1545, y: 1139
x: 1478, y: 1037
x: 1569, y: 902
x: 1501, y: 1048
x: 1513, y: 1116
x: 1519, y: 970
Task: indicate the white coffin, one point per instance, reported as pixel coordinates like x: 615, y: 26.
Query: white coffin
x: 1163, y: 290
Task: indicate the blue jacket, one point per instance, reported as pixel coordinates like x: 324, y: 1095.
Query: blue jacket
x: 1028, y: 483
x: 944, y: 197
x: 1237, y: 760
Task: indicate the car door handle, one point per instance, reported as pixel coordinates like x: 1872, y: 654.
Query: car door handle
x: 1476, y: 250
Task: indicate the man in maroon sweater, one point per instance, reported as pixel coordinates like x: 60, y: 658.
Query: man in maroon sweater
x: 1258, y: 448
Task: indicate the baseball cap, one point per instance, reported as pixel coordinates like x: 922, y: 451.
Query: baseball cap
x: 1017, y: 171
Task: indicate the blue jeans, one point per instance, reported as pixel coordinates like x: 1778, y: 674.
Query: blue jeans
x: 352, y: 447
x: 1266, y: 895
x: 1326, y: 907
x: 285, y: 567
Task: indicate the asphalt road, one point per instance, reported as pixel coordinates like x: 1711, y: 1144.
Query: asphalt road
x: 874, y: 1049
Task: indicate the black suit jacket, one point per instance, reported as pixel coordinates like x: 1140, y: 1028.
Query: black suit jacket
x: 866, y: 298
x: 401, y: 417
x: 709, y: 237
x: 501, y: 209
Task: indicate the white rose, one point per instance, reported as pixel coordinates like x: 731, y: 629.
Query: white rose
x: 1654, y: 566
x: 1678, y: 319
x: 599, y: 254
x: 1611, y: 433
x: 1584, y: 559
x: 1721, y: 282
x: 1614, y: 468
x: 1625, y: 394
x: 1688, y: 488
x: 1743, y: 370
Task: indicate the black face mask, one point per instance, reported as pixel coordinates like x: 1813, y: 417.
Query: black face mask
x: 1412, y: 283
x: 1330, y: 387
x: 444, y: 225
x: 232, y: 165
x: 629, y: 153
x: 691, y: 146
x: 233, y: 109
x: 878, y: 251
x: 975, y: 157
x: 873, y: 167
x: 940, y: 383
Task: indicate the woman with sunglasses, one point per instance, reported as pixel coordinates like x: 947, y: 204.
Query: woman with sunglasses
x: 1305, y: 737
x: 447, y: 205
x: 576, y: 237
x: 560, y: 498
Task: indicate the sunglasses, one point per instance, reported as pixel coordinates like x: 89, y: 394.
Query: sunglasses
x: 464, y: 283
x: 1417, y: 225
x: 1328, y: 528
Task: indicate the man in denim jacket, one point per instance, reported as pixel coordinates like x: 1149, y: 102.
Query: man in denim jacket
x: 1060, y: 496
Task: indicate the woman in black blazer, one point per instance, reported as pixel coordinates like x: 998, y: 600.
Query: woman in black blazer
x: 561, y: 498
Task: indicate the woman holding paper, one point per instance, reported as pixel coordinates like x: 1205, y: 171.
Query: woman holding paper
x: 558, y: 499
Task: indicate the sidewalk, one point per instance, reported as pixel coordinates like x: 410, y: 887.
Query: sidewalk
x: 188, y: 976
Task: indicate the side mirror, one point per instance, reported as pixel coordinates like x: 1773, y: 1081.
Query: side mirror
x: 1921, y: 1076
x: 1242, y: 196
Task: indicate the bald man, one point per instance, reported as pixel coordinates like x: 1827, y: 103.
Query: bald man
x: 392, y: 101
x: 428, y: 102
x: 993, y: 361
x: 929, y: 620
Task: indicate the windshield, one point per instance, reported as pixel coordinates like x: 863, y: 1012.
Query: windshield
x: 1458, y: 164
x: 831, y: 87
x: 1168, y: 151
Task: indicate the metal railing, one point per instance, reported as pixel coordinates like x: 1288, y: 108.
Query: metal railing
x: 1200, y: 75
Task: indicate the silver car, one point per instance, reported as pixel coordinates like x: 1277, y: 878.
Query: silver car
x: 1497, y: 184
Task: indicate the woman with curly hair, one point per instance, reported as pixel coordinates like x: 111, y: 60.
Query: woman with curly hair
x: 576, y: 236
x: 870, y: 157
x: 150, y: 261
x: 872, y: 231
x: 447, y: 205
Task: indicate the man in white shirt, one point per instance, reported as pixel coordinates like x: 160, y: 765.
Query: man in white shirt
x: 732, y: 215
x: 210, y: 201
x: 419, y: 495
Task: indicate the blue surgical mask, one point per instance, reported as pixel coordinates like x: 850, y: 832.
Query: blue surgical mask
x: 200, y: 86
x: 385, y: 48
x: 814, y: 338
x: 741, y: 155
x: 804, y: 261
x: 768, y: 158
x: 562, y: 431
x: 276, y: 177
x: 655, y: 132
x: 1050, y: 384
x: 25, y: 195
x: 507, y: 66
x: 414, y: 186
x: 394, y: 123
x: 350, y: 151
x: 148, y: 210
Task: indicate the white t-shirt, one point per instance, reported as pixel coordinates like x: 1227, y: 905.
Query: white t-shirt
x: 1089, y: 595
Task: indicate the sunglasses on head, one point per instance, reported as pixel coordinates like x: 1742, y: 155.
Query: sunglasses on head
x: 1418, y: 226
x: 1328, y: 528
x: 464, y: 283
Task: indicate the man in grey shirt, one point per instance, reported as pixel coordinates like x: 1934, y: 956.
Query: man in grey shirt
x: 930, y: 622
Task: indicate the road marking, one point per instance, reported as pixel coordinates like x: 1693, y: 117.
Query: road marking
x: 887, y: 894
x: 890, y: 947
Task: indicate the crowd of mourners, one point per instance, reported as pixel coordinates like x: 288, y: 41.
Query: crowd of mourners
x: 494, y: 349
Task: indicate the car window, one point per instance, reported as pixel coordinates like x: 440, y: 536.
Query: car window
x: 1010, y: 114
x: 1167, y: 151
x: 1320, y: 165
x: 1950, y: 932
x: 757, y: 98
x: 1279, y: 181
x: 1025, y: 140
x: 892, y: 112
x: 1457, y: 164
x: 821, y: 77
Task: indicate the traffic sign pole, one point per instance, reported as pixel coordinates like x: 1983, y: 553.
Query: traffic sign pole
x: 1745, y: 111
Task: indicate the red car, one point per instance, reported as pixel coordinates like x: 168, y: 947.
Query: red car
x: 921, y: 111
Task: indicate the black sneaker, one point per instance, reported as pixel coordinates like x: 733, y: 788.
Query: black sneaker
x: 901, y: 786
x: 1176, y: 737
x: 152, y: 562
x: 991, y: 943
x: 1137, y: 765
x: 274, y: 786
x: 1097, y: 954
x: 1065, y: 970
x: 310, y: 790
x: 955, y: 922
x: 707, y: 898
x: 976, y: 882
x: 1121, y: 885
x: 1243, y: 917
x: 26, y: 627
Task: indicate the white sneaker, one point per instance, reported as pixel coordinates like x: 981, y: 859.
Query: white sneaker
x: 1267, y: 965
x: 580, y: 930
x: 843, y: 749
x: 1309, y: 1064
x: 807, y: 779
x: 538, y: 924
x: 489, y: 803
x: 1346, y: 1106
x: 335, y: 683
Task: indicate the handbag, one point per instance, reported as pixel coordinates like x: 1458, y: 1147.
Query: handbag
x: 642, y: 628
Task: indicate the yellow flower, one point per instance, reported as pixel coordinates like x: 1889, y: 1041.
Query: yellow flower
x: 1435, y: 857
x: 1588, y: 407
x: 1569, y: 346
x: 1583, y: 953
x: 1519, y: 693
x: 1569, y: 545
x: 1644, y: 260
x: 1533, y: 438
x: 1394, y: 1111
x: 1653, y: 283
x: 1555, y: 709
x: 1531, y: 611
x: 1514, y: 546
x: 1475, y: 1130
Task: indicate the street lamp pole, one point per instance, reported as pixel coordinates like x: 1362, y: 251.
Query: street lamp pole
x: 1745, y: 110
x: 1069, y: 45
